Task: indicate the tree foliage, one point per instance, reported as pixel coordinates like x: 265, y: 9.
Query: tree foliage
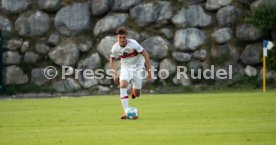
x: 264, y: 17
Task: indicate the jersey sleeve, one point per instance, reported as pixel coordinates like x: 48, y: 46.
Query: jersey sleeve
x: 113, y: 53
x: 138, y: 47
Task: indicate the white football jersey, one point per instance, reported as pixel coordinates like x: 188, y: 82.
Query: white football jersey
x: 130, y: 54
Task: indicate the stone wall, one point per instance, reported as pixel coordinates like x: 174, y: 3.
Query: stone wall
x: 80, y: 33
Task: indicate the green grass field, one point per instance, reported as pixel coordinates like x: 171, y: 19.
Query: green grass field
x: 180, y: 119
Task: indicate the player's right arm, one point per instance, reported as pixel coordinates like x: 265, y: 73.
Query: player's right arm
x: 112, y: 61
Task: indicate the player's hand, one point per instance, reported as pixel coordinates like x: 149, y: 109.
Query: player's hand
x: 116, y: 78
x: 149, y: 75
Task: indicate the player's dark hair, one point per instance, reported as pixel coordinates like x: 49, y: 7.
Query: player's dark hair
x: 122, y: 31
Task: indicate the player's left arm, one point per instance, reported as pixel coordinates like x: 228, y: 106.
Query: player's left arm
x: 147, y: 61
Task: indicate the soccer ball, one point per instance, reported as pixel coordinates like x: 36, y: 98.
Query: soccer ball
x: 132, y: 113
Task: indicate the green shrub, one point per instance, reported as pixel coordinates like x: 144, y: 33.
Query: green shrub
x: 30, y: 88
x: 245, y: 82
x: 264, y: 17
x: 271, y: 59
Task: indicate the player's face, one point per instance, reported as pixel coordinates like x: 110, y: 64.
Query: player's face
x: 122, y: 39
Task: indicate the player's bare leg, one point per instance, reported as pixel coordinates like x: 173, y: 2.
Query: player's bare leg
x: 124, y: 96
x: 135, y: 93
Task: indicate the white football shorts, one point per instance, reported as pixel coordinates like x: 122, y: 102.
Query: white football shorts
x: 133, y: 76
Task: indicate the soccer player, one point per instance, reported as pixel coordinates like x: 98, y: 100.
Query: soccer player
x: 133, y: 59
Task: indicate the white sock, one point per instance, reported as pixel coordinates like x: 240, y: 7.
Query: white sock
x: 124, y: 98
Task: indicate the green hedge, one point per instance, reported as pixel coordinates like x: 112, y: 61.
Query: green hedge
x: 264, y: 17
x: 271, y: 59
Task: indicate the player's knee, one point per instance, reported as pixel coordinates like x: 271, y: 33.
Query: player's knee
x: 123, y: 84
